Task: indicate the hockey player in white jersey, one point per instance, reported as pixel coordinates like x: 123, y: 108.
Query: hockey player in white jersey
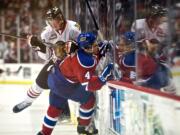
x: 154, y: 26
x: 57, y: 29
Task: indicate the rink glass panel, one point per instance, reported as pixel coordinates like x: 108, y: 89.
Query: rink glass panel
x: 116, y: 17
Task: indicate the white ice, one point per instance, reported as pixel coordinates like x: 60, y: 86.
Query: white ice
x: 29, y: 121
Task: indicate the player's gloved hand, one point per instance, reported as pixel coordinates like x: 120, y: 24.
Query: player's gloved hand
x: 106, y: 72
x: 36, y: 44
x: 104, y: 47
x: 71, y: 47
x: 163, y: 58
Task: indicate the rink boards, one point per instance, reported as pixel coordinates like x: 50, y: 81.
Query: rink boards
x: 127, y: 109
x: 19, y: 73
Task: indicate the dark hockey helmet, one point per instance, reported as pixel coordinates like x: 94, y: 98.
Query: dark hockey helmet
x: 86, y: 40
x: 126, y: 42
x: 53, y: 13
x: 157, y: 11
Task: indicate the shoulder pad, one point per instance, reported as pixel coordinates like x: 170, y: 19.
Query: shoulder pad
x: 129, y: 59
x: 77, y: 26
x: 85, y: 60
x: 74, y: 24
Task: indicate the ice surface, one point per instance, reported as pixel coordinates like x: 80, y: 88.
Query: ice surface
x: 29, y: 121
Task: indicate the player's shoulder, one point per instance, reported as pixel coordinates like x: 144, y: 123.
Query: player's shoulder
x: 73, y: 24
x: 129, y: 59
x: 85, y: 60
x: 47, y: 29
x: 140, y: 22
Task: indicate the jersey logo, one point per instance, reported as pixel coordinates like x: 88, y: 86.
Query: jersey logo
x: 53, y: 36
x: 83, y: 39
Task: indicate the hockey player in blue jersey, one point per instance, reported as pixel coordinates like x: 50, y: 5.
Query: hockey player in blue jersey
x: 151, y: 73
x: 76, y: 82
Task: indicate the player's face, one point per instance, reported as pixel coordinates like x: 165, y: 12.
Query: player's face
x: 123, y: 47
x: 158, y: 21
x: 95, y: 49
x: 58, y: 23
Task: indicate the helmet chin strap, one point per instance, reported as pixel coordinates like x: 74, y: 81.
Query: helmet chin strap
x: 88, y: 50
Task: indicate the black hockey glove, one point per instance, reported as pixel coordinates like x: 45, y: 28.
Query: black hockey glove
x: 71, y: 47
x: 37, y: 44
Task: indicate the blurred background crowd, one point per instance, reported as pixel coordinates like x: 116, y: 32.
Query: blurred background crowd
x: 20, y: 17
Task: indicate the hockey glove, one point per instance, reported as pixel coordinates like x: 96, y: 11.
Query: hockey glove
x: 36, y: 44
x: 106, y: 73
x: 104, y: 47
x: 71, y: 47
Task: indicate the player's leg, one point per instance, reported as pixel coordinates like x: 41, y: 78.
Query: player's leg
x: 65, y: 116
x: 53, y: 112
x: 36, y: 89
x: 50, y: 120
x: 86, y: 111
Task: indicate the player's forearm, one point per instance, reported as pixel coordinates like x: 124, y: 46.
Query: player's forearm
x: 94, y: 84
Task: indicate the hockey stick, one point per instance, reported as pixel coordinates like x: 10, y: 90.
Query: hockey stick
x: 13, y: 36
x: 116, y: 73
x: 94, y: 20
x: 23, y: 38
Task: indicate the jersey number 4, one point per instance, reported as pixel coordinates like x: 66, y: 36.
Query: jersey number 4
x: 87, y: 75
